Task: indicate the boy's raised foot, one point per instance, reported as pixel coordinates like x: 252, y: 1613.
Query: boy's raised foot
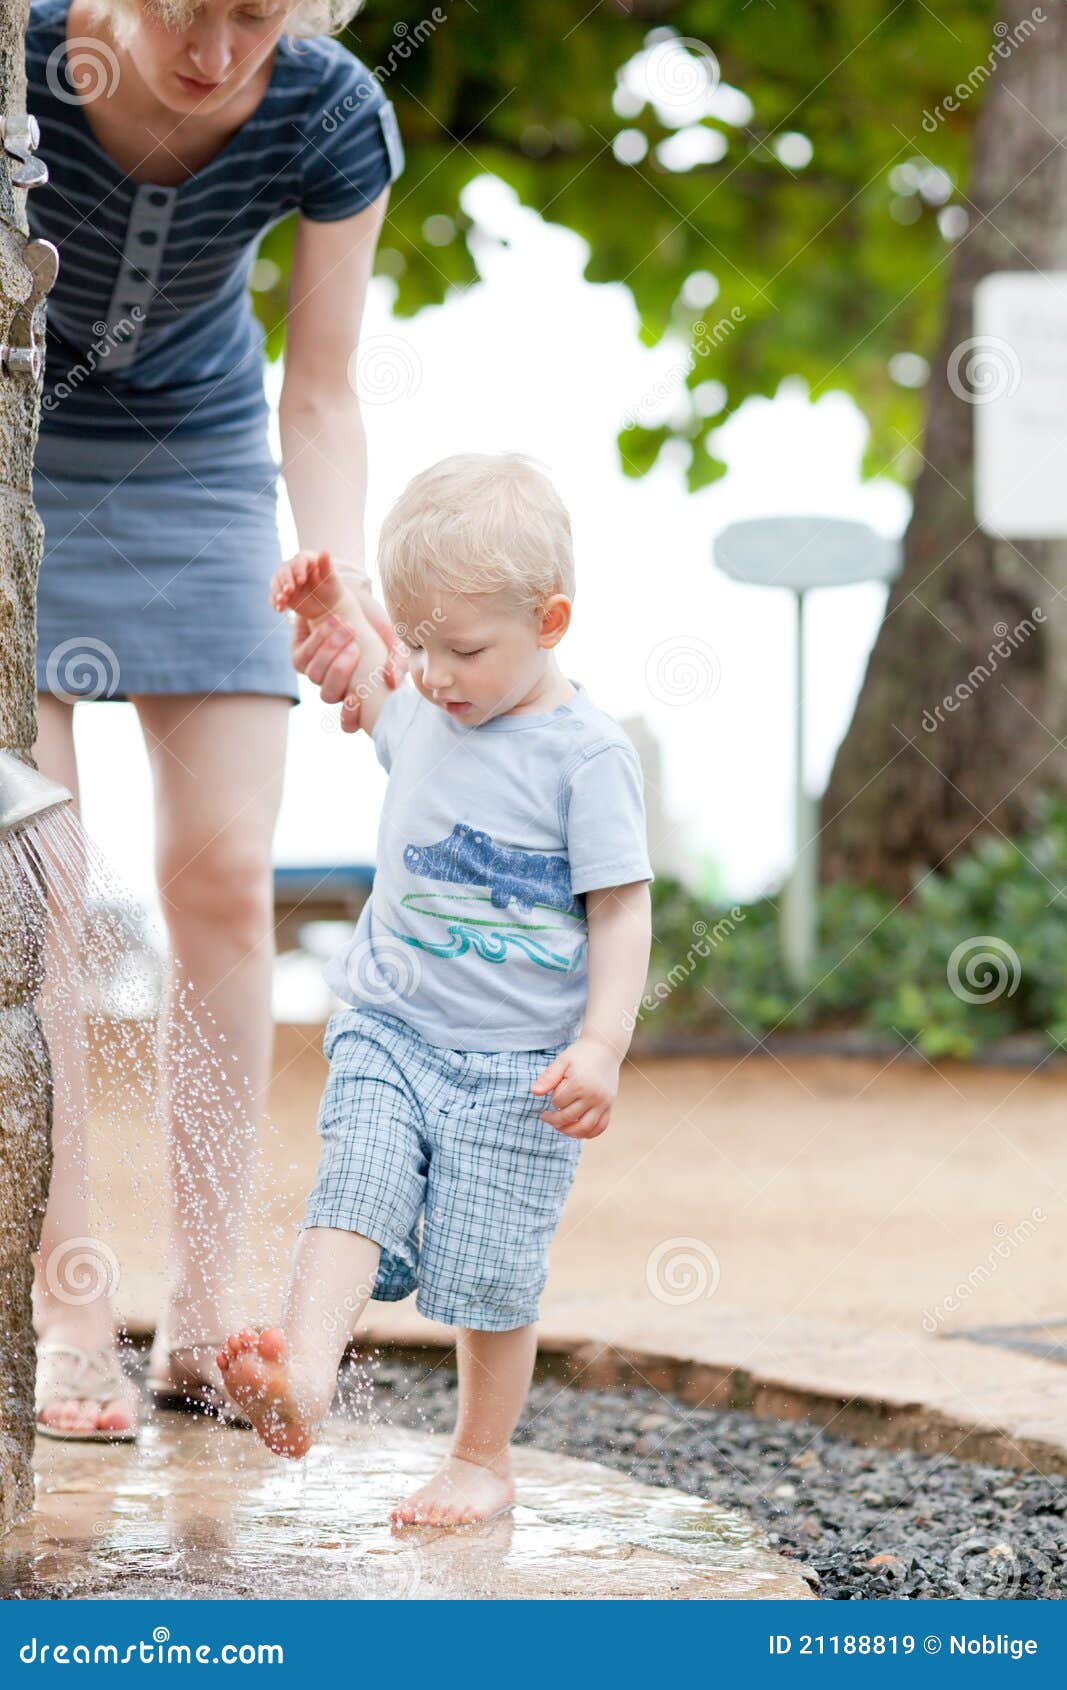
x: 461, y: 1493
x: 255, y: 1371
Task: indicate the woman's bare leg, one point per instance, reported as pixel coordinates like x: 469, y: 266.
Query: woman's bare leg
x: 68, y: 1319
x: 217, y: 765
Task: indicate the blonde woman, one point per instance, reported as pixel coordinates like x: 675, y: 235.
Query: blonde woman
x: 176, y: 132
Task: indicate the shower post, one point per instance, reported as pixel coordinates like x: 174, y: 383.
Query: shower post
x: 25, y: 1079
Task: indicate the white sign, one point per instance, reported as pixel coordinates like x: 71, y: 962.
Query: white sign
x: 1014, y: 372
x: 804, y: 551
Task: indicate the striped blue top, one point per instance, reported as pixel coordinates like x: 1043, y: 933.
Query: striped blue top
x: 150, y: 323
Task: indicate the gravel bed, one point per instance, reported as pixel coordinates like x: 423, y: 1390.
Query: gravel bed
x: 873, y: 1523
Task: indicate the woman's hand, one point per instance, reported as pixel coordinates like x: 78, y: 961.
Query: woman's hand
x: 327, y: 652
x: 325, y: 648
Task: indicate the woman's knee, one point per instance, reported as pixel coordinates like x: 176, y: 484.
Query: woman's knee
x: 223, y: 885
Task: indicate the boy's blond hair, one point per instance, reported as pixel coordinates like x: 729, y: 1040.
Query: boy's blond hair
x: 478, y: 522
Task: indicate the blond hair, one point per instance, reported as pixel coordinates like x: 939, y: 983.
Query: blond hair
x: 478, y: 522
x: 306, y: 17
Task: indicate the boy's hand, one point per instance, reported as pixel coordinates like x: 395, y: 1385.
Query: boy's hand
x: 325, y: 647
x: 584, y: 1081
x: 309, y: 585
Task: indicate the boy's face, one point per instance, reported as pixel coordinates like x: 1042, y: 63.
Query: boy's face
x: 474, y: 655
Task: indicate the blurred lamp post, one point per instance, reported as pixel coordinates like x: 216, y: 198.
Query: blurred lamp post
x: 798, y: 553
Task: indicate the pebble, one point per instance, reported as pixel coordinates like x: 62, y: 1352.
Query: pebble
x: 654, y: 1422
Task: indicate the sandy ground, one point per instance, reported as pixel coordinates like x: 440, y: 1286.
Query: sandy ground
x: 861, y: 1192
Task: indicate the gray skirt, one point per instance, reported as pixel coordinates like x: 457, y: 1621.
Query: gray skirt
x: 156, y: 566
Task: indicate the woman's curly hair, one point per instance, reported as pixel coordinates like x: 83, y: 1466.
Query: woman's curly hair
x: 306, y: 17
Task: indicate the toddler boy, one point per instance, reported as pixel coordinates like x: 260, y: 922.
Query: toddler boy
x: 492, y: 979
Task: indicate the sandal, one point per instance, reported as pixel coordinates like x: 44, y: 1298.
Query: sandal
x: 66, y: 1373
x: 195, y: 1394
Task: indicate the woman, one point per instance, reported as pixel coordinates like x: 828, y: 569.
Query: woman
x: 176, y: 132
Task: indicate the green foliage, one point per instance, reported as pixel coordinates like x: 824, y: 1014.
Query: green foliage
x: 835, y: 265
x: 977, y: 954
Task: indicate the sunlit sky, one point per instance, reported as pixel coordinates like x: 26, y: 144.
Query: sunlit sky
x: 534, y: 358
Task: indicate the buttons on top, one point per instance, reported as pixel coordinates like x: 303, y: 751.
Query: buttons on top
x: 135, y: 287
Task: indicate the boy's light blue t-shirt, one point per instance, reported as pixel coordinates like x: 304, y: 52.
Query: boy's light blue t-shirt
x: 475, y: 931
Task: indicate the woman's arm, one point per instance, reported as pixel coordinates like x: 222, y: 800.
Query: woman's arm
x: 324, y: 449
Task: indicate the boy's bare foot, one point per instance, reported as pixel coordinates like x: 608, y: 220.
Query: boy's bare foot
x: 255, y: 1372
x: 461, y: 1493
x: 310, y: 585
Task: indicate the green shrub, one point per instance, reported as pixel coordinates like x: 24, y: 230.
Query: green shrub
x: 883, y: 965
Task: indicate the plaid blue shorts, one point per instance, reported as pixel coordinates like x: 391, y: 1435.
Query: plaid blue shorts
x: 412, y: 1132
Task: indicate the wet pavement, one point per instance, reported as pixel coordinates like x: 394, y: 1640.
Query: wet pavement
x: 194, y: 1510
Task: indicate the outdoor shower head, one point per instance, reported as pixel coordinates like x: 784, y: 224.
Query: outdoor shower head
x: 25, y: 794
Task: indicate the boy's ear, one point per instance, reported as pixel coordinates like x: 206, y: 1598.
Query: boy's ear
x: 555, y: 619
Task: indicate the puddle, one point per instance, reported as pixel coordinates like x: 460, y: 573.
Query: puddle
x: 199, y: 1511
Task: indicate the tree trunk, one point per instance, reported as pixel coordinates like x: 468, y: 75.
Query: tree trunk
x: 911, y: 787
x: 25, y: 1089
